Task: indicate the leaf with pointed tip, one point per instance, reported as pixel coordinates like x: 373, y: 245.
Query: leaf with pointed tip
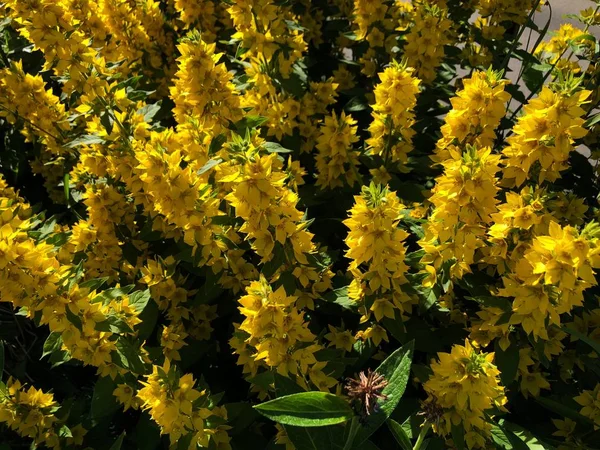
x: 396, y: 370
x: 307, y: 409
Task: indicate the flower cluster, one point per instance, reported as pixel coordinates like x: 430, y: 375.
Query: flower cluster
x: 206, y: 205
x: 180, y: 409
x: 395, y: 98
x: 465, y: 385
x: 377, y: 253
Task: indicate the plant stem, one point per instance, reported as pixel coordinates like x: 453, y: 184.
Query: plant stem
x: 518, y: 37
x: 541, y: 84
x: 422, y: 434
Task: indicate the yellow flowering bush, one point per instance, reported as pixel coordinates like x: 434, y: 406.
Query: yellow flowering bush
x: 258, y: 224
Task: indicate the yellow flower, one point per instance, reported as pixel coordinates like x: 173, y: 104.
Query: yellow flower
x: 337, y: 162
x: 393, y: 117
x: 340, y: 339
x: 125, y: 394
x: 590, y: 402
x: 465, y: 384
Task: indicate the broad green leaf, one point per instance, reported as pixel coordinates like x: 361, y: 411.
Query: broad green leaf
x: 53, y: 343
x: 274, y: 147
x: 526, y: 437
x: 584, y: 338
x: 149, y: 317
x: 94, y: 284
x: 118, y: 443
x: 139, y: 299
x: 65, y: 432
x: 103, y: 402
x: 73, y: 318
x: 87, y: 139
x: 356, y: 104
x: 111, y: 294
x: 114, y: 324
x: 458, y: 437
x: 491, y: 301
x: 562, y: 409
x: 149, y: 111
x: 184, y: 442
x: 128, y: 356
x: 592, y: 121
x: 147, y: 433
x: 396, y: 370
x: 340, y: 297
x: 307, y: 409
x: 240, y: 416
x: 209, y: 165
x: 399, y: 434
x: 507, y: 439
x: 250, y: 122
x: 507, y: 362
x: 352, y: 428
x: 331, y: 437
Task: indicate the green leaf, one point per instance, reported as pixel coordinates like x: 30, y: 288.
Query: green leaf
x: 103, y: 402
x: 67, y: 188
x: 107, y: 121
x: 340, y: 297
x: 139, y: 300
x: 356, y: 104
x: 458, y: 436
x: 113, y: 324
x: 65, y: 432
x: 185, y: 441
x: 118, y: 443
x: 563, y: 410
x: 128, y: 356
x: 526, y: 437
x: 584, y: 338
x: 495, y: 302
x: 209, y: 165
x: 592, y: 121
x: 273, y: 147
x: 307, y: 409
x: 149, y: 317
x: 216, y: 143
x: 250, y: 122
x: 507, y: 362
x: 149, y: 111
x: 507, y: 439
x: 88, y: 139
x: 74, y: 319
x: 147, y: 433
x: 350, y: 431
x: 1, y: 359
x: 320, y: 438
x: 399, y: 434
x: 275, y: 262
x: 111, y: 294
x: 93, y: 285
x: 52, y: 344
x: 396, y: 370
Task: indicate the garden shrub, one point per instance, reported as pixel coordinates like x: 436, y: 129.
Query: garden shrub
x: 301, y: 224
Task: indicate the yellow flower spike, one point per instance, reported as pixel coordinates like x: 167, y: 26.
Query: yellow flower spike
x: 465, y: 385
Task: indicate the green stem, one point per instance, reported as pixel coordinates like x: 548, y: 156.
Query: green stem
x: 541, y: 83
x: 57, y: 139
x: 422, y: 434
x: 388, y: 144
x: 518, y: 37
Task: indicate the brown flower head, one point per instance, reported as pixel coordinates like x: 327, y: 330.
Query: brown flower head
x: 367, y: 389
